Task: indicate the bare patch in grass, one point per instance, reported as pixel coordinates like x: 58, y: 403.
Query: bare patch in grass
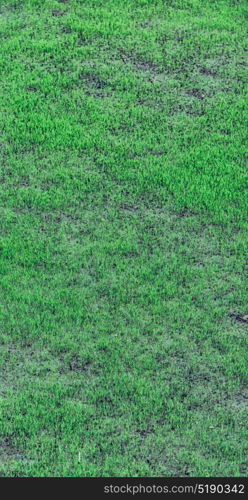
x: 58, y: 13
x: 198, y: 93
x: 82, y: 40
x: 9, y: 452
x: 185, y: 212
x: 146, y: 24
x: 127, y: 207
x: 66, y: 30
x: 94, y: 80
x: 23, y: 364
x: 32, y: 89
x: 180, y: 36
x: 239, y: 318
x: 208, y: 72
x: 78, y: 365
x: 139, y: 64
x: 151, y: 103
x: 239, y: 401
x: 95, y: 86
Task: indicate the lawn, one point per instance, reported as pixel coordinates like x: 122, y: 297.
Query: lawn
x: 124, y: 238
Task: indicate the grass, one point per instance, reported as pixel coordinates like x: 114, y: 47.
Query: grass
x: 123, y: 238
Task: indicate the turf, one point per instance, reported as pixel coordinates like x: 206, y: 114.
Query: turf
x: 123, y: 238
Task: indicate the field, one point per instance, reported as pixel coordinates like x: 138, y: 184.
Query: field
x: 124, y: 241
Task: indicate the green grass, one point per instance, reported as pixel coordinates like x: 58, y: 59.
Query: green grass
x: 123, y: 238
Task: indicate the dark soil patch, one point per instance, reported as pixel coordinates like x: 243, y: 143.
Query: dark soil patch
x: 93, y: 80
x: 66, y: 30
x: 185, y: 213
x: 139, y: 64
x: 145, y: 66
x: 180, y: 35
x: 96, y: 87
x: 198, y: 93
x: 239, y: 318
x: 128, y: 207
x: 58, y: 13
x: 82, y: 40
x: 208, y: 72
x: 8, y: 451
x: 225, y: 132
x: 200, y: 113
x: 32, y: 89
x: 77, y: 365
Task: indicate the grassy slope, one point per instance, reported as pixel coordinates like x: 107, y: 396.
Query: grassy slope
x: 123, y: 237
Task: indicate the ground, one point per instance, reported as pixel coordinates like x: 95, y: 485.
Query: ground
x: 123, y: 238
